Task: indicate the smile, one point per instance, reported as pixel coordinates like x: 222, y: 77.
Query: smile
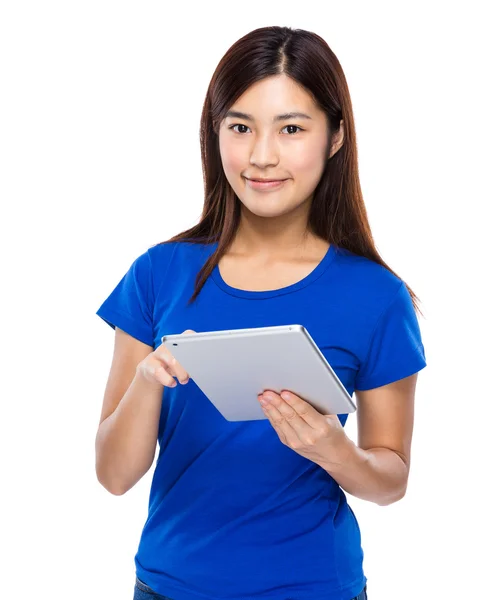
x: 266, y: 185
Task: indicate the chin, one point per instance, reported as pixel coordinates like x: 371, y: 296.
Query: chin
x: 266, y: 211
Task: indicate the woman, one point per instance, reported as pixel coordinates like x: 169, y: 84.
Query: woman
x: 257, y: 509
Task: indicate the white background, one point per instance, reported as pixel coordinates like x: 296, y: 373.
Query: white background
x: 100, y: 159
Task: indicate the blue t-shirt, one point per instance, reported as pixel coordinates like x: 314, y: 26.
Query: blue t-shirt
x: 234, y: 513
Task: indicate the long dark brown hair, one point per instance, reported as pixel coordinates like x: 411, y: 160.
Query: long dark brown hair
x: 337, y: 213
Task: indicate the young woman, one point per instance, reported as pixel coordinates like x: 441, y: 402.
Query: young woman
x: 256, y: 509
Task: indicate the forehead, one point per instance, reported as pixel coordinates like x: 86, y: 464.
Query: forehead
x: 236, y: 114
x: 272, y: 98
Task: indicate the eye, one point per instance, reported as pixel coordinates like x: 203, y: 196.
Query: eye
x: 241, y: 125
x: 296, y: 127
x: 236, y: 125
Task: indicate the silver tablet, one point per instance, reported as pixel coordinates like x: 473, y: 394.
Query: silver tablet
x: 232, y: 367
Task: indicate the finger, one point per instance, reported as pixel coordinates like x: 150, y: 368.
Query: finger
x: 158, y: 372
x: 271, y: 414
x: 307, y: 413
x: 170, y: 364
x: 179, y: 371
x: 174, y: 367
x: 293, y: 418
x: 287, y: 434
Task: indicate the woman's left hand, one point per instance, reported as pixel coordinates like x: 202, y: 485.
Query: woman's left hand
x: 320, y: 438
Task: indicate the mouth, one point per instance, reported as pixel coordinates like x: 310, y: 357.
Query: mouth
x: 265, y: 180
x: 264, y: 184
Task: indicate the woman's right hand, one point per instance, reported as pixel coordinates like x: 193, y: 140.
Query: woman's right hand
x: 160, y: 366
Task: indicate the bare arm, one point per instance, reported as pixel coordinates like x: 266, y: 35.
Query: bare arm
x: 127, y: 439
x: 377, y: 469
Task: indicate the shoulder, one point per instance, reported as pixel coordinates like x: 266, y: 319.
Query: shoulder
x: 161, y: 253
x: 181, y: 256
x: 372, y: 285
x: 165, y: 252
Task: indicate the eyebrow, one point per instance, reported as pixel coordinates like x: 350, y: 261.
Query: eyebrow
x: 285, y: 117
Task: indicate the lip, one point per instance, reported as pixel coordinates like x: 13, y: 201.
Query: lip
x: 266, y: 185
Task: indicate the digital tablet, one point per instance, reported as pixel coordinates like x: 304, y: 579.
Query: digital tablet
x: 232, y: 367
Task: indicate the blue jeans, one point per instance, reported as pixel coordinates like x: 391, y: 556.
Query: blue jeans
x: 144, y: 592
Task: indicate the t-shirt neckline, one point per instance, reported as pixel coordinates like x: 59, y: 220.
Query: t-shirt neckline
x: 259, y: 295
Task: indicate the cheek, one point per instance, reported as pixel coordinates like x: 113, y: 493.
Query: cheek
x: 307, y: 163
x: 234, y: 165
x: 232, y: 157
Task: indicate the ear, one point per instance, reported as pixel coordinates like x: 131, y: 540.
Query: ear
x: 338, y: 140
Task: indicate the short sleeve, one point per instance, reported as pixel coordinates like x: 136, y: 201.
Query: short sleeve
x: 396, y: 349
x: 130, y: 305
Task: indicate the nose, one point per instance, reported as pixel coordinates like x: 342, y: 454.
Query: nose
x: 264, y: 153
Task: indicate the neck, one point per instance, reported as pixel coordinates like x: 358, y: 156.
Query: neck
x: 283, y: 236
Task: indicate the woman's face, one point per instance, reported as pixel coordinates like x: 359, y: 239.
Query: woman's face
x: 261, y: 147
